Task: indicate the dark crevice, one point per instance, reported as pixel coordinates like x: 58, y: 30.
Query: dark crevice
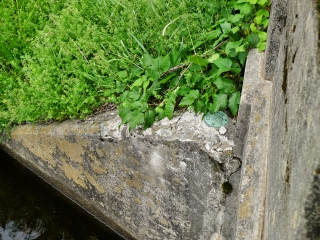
x: 285, y: 72
x: 294, y: 56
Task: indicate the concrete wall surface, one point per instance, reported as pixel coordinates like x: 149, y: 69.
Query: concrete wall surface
x: 169, y: 182
x: 292, y: 63
x: 163, y: 183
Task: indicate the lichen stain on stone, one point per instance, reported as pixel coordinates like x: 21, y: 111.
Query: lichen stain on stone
x: 41, y: 149
x: 253, y: 142
x: 119, y: 151
x: 74, y: 151
x: 73, y: 173
x: 135, y: 161
x: 138, y: 201
x: 295, y: 219
x: 76, y: 173
x: 249, y: 170
x: 162, y: 221
x: 245, y: 207
x: 100, y: 152
x: 119, y: 188
x: 93, y: 182
x: 257, y: 118
x: 138, y: 184
x: 150, y: 179
x: 98, y: 168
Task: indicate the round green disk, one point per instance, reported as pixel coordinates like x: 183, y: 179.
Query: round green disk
x: 216, y: 120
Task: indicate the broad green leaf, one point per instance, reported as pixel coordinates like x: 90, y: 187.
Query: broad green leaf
x: 240, y: 49
x: 136, y: 71
x: 198, y: 105
x: 245, y: 8
x: 125, y: 114
x: 186, y: 101
x: 213, y: 58
x: 198, y: 60
x: 263, y: 2
x: 220, y: 101
x: 265, y: 22
x: 225, y: 27
x: 242, y: 57
x: 146, y: 60
x: 145, y: 84
x: 183, y: 91
x: 149, y: 118
x: 225, y: 85
x: 263, y: 36
x: 134, y: 94
x: 137, y: 118
x: 162, y: 63
x: 223, y: 63
x: 169, y: 109
x: 212, y: 34
x: 235, y: 18
x: 235, y: 29
x: 198, y: 43
x: 154, y: 87
x: 253, y: 39
x: 189, y: 98
x: 247, y: 1
x: 219, y: 40
x: 153, y: 74
x: 160, y: 111
x: 122, y: 74
x: 253, y: 27
x: 231, y: 47
x: 234, y: 101
x: 261, y: 46
x: 167, y: 78
x: 261, y: 14
x: 194, y: 94
x: 139, y: 81
x: 142, y: 106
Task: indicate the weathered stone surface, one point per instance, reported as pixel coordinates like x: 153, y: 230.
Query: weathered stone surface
x: 276, y: 29
x: 162, y: 183
x: 295, y: 130
x: 254, y: 117
x: 166, y: 182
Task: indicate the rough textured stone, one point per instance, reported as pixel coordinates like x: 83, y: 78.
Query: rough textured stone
x: 295, y: 130
x: 255, y: 108
x: 162, y: 183
x: 167, y: 182
x: 276, y: 28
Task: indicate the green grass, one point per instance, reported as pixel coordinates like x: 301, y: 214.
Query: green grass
x: 64, y: 58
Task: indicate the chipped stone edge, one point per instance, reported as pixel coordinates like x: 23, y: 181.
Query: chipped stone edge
x: 254, y: 116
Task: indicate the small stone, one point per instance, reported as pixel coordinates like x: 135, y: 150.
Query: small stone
x: 227, y: 149
x: 208, y: 146
x: 222, y: 130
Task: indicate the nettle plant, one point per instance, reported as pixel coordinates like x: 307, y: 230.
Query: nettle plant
x: 206, y: 77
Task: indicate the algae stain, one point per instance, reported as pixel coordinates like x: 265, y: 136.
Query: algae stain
x: 245, y: 207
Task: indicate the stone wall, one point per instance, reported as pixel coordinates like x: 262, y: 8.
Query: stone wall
x: 292, y: 64
x: 163, y: 183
